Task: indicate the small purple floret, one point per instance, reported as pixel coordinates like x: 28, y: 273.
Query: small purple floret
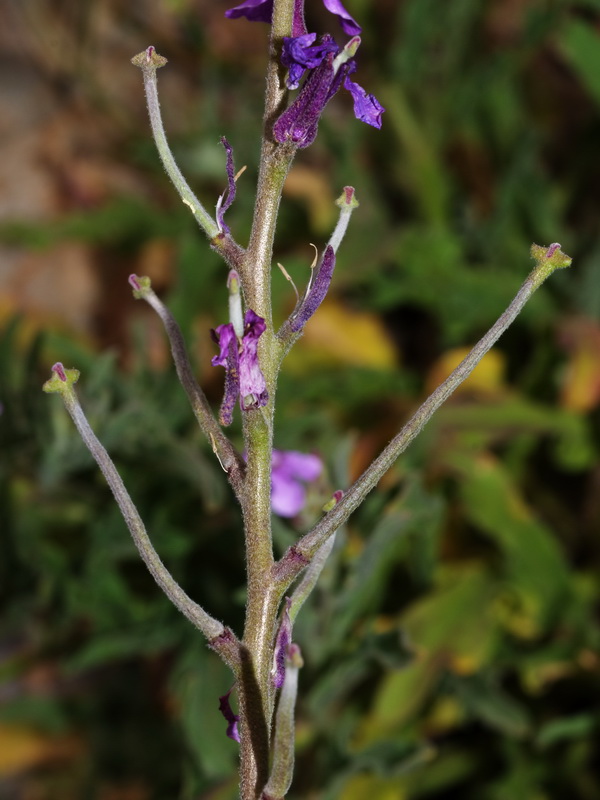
x: 232, y: 719
x: 299, y: 53
x: 299, y: 122
x: 59, y: 370
x: 290, y: 469
x: 367, y: 107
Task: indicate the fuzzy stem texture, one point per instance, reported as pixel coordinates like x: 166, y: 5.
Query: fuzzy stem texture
x: 213, y: 629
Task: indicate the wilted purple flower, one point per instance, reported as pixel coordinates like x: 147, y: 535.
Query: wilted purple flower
x: 299, y: 53
x: 227, y: 198
x: 299, y: 122
x: 290, y: 469
x: 315, y: 294
x: 243, y: 375
x: 232, y: 719
x: 262, y: 11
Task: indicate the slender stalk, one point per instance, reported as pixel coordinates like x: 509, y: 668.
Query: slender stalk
x: 309, y: 544
x: 216, y: 633
x: 149, y: 61
x: 228, y: 456
x: 263, y: 598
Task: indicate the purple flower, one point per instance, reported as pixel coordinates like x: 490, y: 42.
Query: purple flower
x: 262, y: 11
x: 243, y: 375
x: 299, y: 53
x: 290, y: 468
x: 299, y: 122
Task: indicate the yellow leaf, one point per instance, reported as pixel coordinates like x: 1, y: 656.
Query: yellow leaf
x: 338, y: 334
x: 361, y: 786
x: 487, y: 377
x: 581, y: 378
x: 23, y: 748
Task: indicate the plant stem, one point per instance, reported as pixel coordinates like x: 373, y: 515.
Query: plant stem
x: 291, y: 564
x: 219, y: 637
x: 229, y: 458
x: 257, y: 695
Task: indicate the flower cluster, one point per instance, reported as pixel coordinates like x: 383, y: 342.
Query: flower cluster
x: 329, y: 67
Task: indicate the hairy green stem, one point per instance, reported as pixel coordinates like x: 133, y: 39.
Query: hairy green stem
x: 263, y: 596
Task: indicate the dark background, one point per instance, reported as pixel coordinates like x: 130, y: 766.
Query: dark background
x: 452, y: 650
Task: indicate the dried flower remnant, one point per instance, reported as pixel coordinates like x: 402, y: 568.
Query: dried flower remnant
x: 243, y: 376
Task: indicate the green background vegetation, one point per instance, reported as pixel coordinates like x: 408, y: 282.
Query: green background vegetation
x: 452, y: 647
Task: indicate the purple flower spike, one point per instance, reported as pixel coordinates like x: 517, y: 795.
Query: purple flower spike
x: 227, y: 198
x: 349, y: 25
x: 59, y: 371
x: 316, y: 292
x: 289, y: 469
x: 232, y: 719
x: 282, y: 643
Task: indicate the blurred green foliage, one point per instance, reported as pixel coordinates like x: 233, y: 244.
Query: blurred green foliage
x: 452, y: 648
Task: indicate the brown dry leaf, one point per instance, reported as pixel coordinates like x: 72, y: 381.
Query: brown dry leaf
x: 338, y: 334
x: 23, y: 748
x: 580, y: 385
x: 486, y: 378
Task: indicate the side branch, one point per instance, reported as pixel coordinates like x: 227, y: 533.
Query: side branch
x: 548, y: 260
x: 149, y: 61
x: 228, y: 456
x: 216, y: 633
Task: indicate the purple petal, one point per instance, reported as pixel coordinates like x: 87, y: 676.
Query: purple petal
x: 253, y: 388
x: 302, y: 466
x: 317, y: 291
x: 229, y: 358
x: 366, y: 107
x: 282, y: 643
x: 349, y: 25
x: 253, y: 10
x: 229, y: 195
x: 299, y: 53
x: 288, y: 497
x: 232, y: 719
